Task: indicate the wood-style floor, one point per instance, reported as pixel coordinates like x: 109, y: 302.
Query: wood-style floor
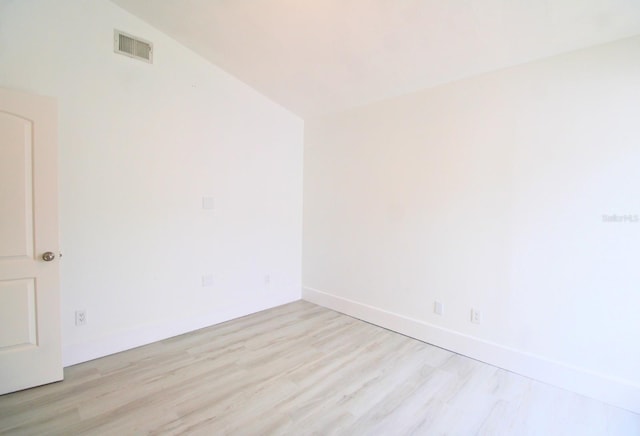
x: 301, y: 369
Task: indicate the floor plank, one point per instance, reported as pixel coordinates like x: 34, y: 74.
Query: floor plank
x: 301, y: 369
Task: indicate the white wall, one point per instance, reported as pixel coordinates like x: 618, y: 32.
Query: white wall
x: 140, y: 145
x: 489, y: 193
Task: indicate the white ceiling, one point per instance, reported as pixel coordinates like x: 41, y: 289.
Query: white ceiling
x: 318, y: 56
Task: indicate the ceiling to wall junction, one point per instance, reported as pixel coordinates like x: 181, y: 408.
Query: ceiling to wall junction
x: 320, y: 56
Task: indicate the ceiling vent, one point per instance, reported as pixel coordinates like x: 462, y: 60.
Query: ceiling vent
x: 132, y: 46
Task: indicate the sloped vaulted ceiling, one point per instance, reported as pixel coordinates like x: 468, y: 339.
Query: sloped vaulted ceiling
x: 318, y: 56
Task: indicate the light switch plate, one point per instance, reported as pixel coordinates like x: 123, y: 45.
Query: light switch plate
x: 207, y: 203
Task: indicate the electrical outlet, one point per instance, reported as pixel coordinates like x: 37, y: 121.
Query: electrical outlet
x: 438, y: 308
x: 476, y: 316
x: 81, y: 317
x: 267, y: 280
x: 207, y: 280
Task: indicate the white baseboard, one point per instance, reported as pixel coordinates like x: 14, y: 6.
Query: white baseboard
x: 614, y: 391
x: 126, y: 340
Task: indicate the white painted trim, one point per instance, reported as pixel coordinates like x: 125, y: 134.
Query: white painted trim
x: 614, y: 391
x: 126, y: 340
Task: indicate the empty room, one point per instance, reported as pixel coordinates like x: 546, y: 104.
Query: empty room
x: 258, y: 217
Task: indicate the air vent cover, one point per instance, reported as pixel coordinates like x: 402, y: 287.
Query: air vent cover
x: 132, y: 46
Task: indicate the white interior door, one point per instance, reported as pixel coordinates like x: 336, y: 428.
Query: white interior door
x: 30, y: 345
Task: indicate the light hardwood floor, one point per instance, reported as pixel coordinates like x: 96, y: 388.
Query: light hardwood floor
x: 301, y: 369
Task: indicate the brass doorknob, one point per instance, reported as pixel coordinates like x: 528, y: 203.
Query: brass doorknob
x: 48, y: 256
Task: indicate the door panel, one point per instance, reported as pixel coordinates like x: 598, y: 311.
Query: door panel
x: 18, y: 310
x: 16, y: 188
x: 30, y: 344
